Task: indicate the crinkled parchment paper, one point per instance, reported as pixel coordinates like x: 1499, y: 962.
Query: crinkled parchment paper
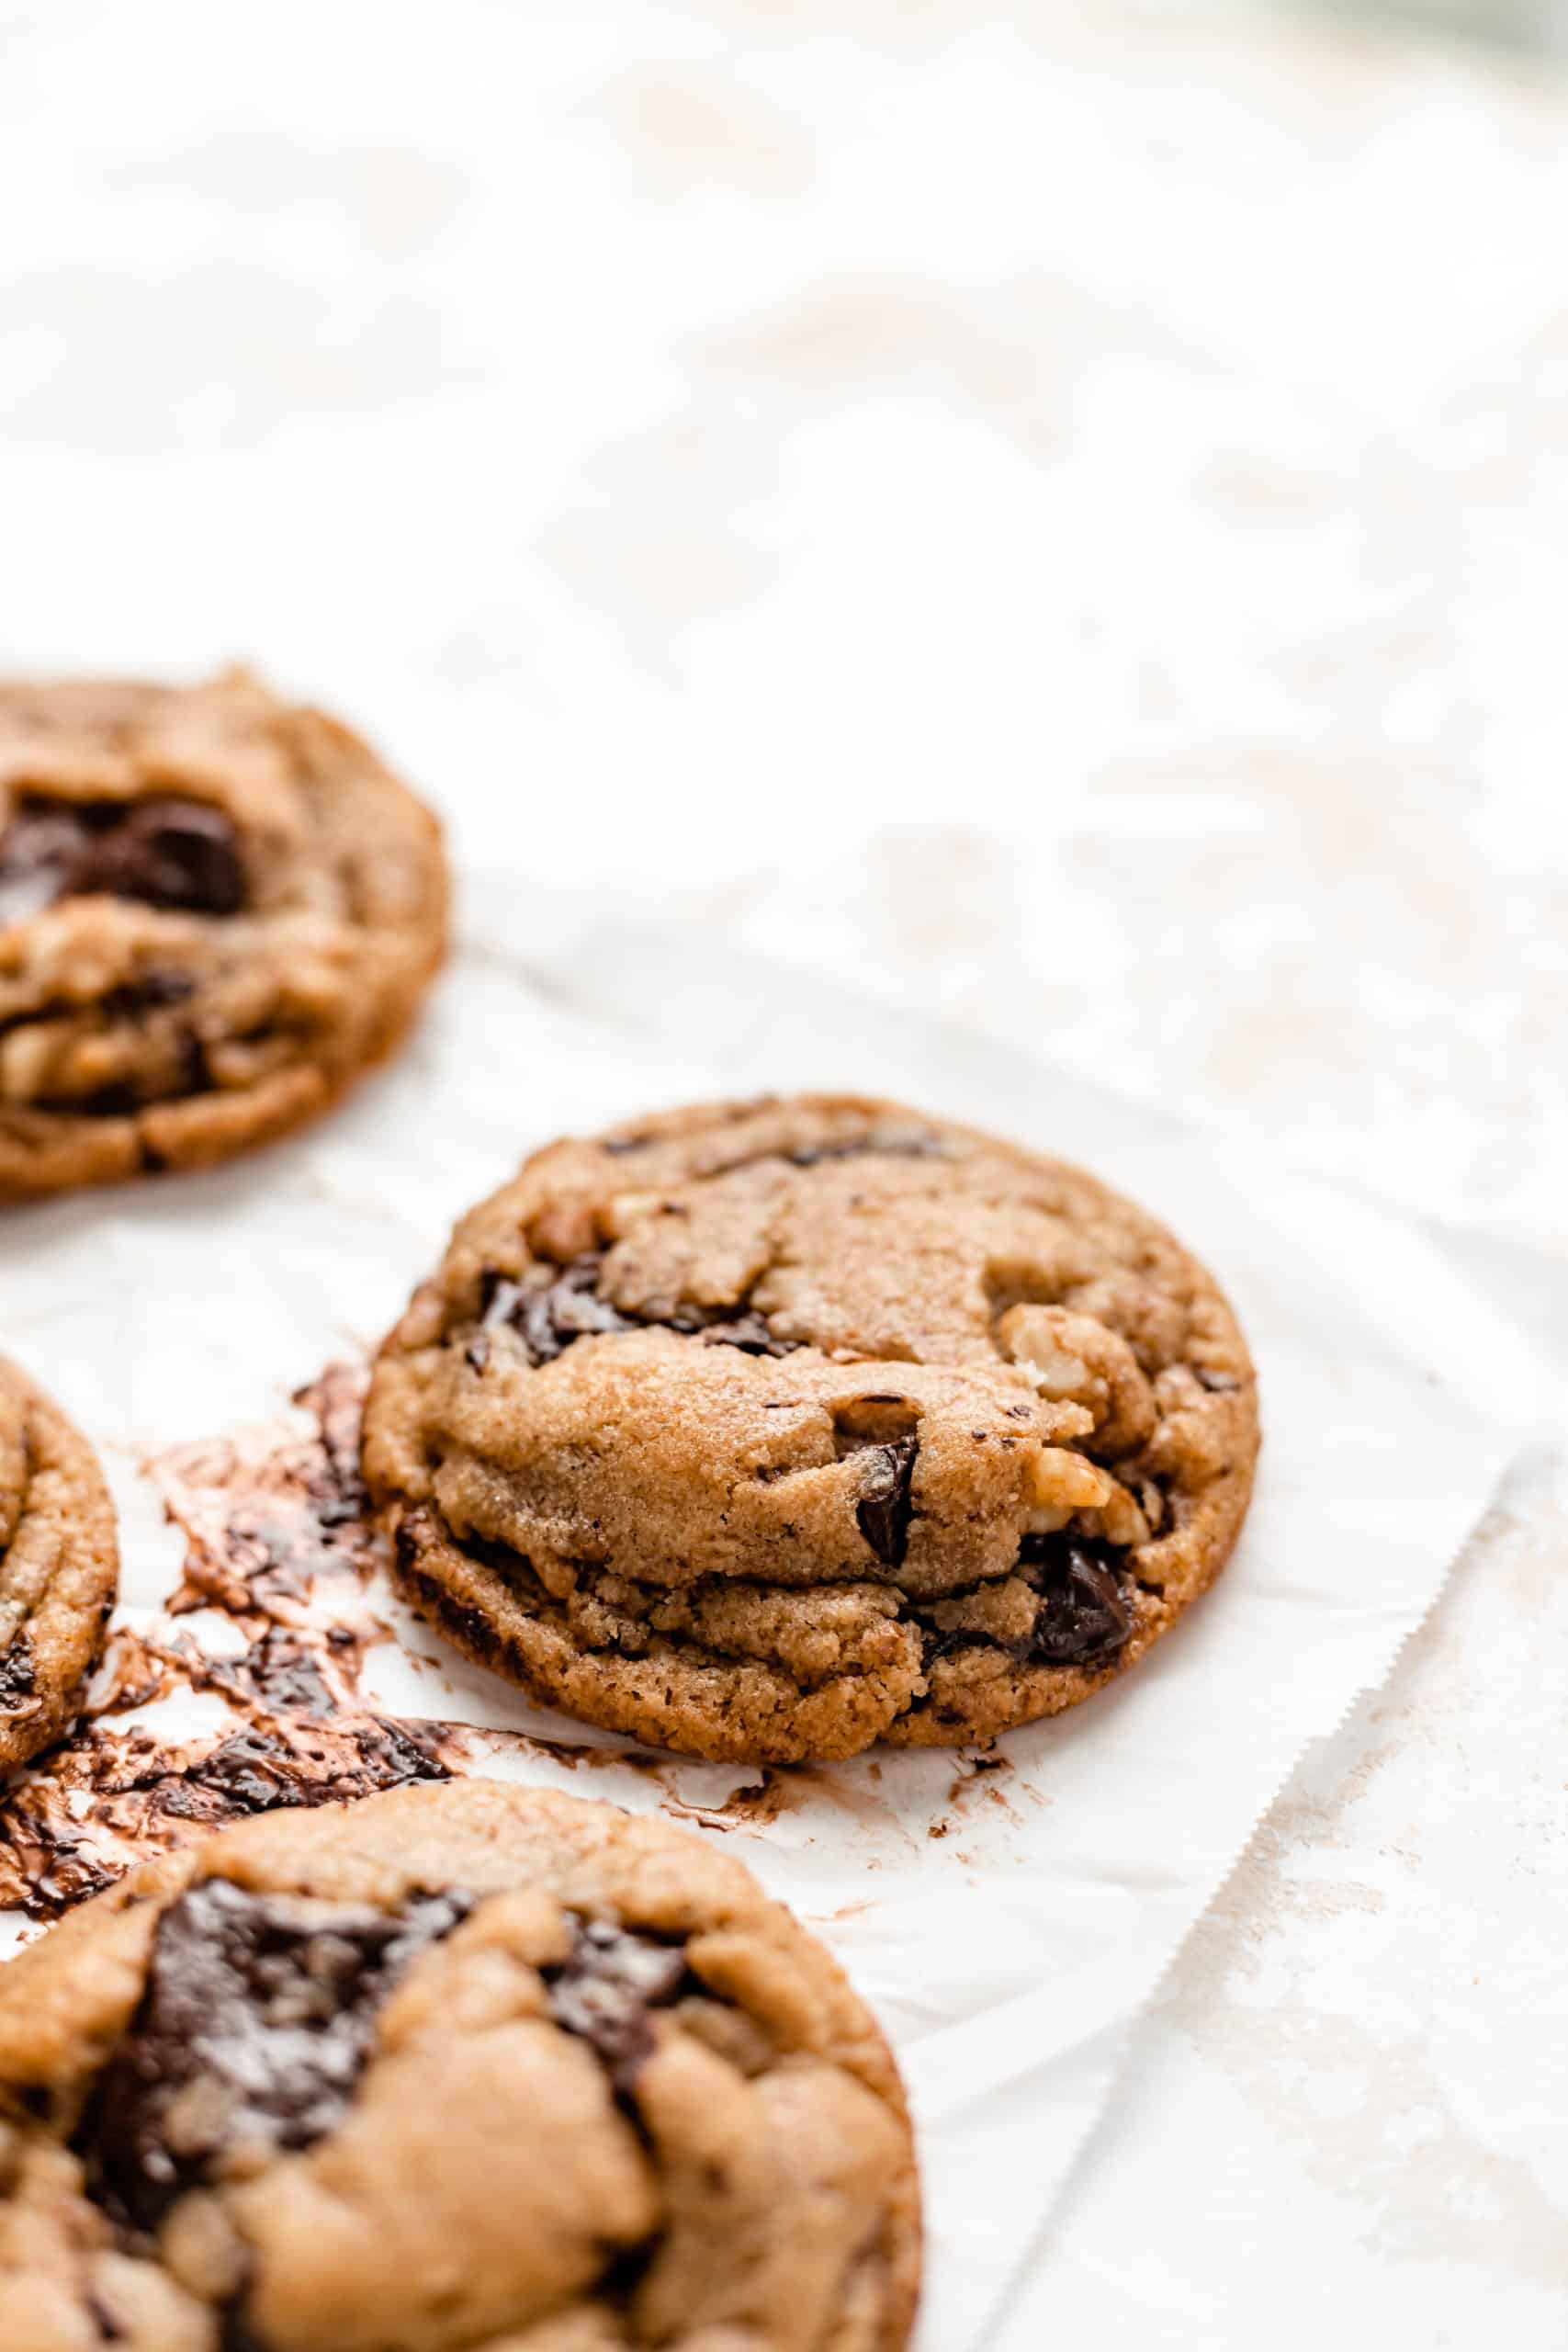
x: 1008, y: 1913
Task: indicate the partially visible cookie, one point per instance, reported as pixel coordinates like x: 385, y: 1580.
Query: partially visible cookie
x: 59, y: 1567
x: 764, y: 1431
x: 465, y: 2069
x: 217, y: 909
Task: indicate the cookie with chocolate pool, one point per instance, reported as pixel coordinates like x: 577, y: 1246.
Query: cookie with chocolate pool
x: 465, y: 2069
x: 765, y: 1431
x: 217, y: 910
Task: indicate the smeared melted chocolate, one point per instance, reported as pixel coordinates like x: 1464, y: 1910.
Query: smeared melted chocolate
x: 167, y: 851
x: 255, y: 2026
x: 279, y: 1544
x: 605, y: 1991
x: 548, y: 1317
x: 885, y: 1507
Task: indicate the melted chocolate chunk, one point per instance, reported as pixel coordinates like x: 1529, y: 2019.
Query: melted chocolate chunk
x: 169, y: 851
x: 176, y: 854
x: 884, y: 1507
x: 747, y: 1332
x: 911, y: 1147
x: 255, y: 2026
x: 1084, y: 1614
x: 547, y: 1319
x: 16, y: 1674
x: 605, y: 1990
x: 154, y: 989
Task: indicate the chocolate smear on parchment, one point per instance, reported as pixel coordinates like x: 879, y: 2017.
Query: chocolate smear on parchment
x: 279, y: 1558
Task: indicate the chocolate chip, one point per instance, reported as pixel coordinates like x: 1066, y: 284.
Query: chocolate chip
x: 884, y: 1507
x: 605, y: 1991
x: 1084, y: 1613
x: 16, y: 1674
x: 254, y: 2026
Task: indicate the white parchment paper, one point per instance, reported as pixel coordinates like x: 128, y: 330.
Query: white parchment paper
x: 1006, y: 1924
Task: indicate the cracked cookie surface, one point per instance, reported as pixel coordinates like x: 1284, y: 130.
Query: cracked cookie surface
x: 59, y: 1567
x: 765, y: 1431
x: 217, y: 909
x: 466, y: 2069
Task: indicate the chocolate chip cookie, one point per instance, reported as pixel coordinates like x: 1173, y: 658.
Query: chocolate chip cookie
x: 764, y: 1430
x: 216, y: 910
x: 467, y: 2067
x: 59, y: 1567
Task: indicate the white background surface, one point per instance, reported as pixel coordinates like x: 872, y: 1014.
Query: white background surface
x: 1057, y: 511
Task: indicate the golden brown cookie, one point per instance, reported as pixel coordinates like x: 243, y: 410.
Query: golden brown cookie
x: 764, y: 1431
x: 216, y: 910
x: 465, y: 2069
x: 59, y: 1567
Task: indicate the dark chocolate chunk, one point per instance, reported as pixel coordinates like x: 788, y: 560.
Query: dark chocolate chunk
x: 168, y: 851
x: 884, y: 1507
x: 154, y: 989
x: 900, y: 1146
x: 119, y: 1099
x: 182, y: 854
x: 1084, y: 1613
x: 547, y: 1319
x: 749, y: 1333
x: 607, y: 1987
x: 255, y: 2025
x: 15, y: 1673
